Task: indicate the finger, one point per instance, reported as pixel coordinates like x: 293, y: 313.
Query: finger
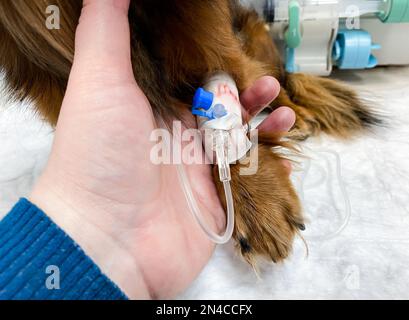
x: 103, y: 39
x: 280, y: 120
x: 260, y: 95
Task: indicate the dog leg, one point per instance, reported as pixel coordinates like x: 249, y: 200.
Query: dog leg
x: 325, y: 106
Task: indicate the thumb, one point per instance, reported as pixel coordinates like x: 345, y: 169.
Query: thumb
x: 102, y: 42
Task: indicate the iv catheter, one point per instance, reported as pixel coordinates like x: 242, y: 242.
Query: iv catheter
x: 219, y: 118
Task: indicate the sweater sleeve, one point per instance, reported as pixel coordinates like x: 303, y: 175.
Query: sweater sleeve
x: 39, y: 261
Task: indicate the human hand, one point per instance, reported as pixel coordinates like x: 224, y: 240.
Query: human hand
x: 100, y: 185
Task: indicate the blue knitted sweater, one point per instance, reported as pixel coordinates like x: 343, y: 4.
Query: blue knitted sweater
x: 40, y: 261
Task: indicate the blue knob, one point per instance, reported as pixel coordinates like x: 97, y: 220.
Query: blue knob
x: 203, y: 99
x: 353, y: 50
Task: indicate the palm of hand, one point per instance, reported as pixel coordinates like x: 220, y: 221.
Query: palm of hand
x: 104, y: 155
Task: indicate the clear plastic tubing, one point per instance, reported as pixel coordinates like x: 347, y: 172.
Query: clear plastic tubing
x: 321, y: 9
x: 221, y: 140
x: 225, y: 177
x: 365, y: 6
x: 343, y: 188
x: 194, y: 208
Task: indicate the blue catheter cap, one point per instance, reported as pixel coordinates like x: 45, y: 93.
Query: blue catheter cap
x: 203, y: 99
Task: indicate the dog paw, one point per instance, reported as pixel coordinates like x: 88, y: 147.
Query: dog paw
x: 267, y: 209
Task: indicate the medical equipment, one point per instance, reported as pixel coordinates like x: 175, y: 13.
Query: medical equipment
x: 316, y: 35
x: 219, y: 118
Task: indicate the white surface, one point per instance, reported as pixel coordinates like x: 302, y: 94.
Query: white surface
x: 368, y: 260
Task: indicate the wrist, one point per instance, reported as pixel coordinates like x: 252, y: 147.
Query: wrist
x: 99, y: 244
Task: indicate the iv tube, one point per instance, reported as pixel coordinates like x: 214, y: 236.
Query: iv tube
x: 364, y: 6
x: 343, y: 189
x: 220, y: 144
x: 196, y: 211
x: 220, y: 141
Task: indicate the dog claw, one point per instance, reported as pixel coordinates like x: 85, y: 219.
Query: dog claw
x: 245, y: 245
x: 301, y: 226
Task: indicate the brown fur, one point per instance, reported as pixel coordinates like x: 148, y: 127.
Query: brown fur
x: 176, y: 44
x: 324, y: 105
